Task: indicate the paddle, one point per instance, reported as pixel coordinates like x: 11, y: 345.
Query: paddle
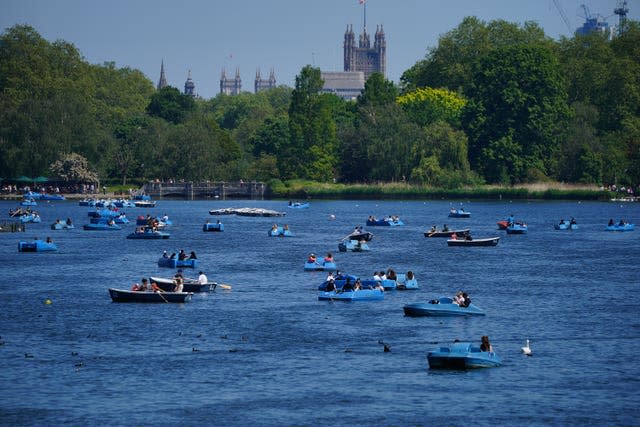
x: 159, y: 292
x: 224, y: 286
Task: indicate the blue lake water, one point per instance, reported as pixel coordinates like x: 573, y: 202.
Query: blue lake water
x: 269, y: 353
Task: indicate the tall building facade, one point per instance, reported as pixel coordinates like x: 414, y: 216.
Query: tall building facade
x: 363, y: 57
x: 230, y: 86
x: 262, y: 84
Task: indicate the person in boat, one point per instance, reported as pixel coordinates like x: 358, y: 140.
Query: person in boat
x: 111, y: 223
x: 454, y: 236
x: 561, y: 221
x: 348, y: 286
x: 202, y: 278
x: 329, y: 257
x: 178, y: 284
x: 376, y: 276
x: 466, y: 300
x: 178, y: 274
x: 611, y: 223
x: 485, y: 345
x: 379, y: 286
x: 274, y: 228
x: 69, y: 221
x: 173, y: 256
x: 312, y: 258
x: 144, y: 286
x: 165, y: 218
x: 433, y: 229
x: 510, y: 220
x: 410, y: 275
x: 182, y: 255
x: 383, y: 275
x: 445, y: 228
x: 391, y: 274
x: 331, y: 282
x: 622, y: 223
x: 573, y: 221
x: 467, y: 235
x: 358, y: 247
x: 458, y: 298
x: 164, y: 254
x: 192, y: 255
x: 357, y: 285
x: 49, y: 240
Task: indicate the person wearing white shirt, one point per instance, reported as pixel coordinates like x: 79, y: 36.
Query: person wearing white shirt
x: 202, y: 278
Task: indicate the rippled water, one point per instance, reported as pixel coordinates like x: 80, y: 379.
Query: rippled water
x: 269, y: 353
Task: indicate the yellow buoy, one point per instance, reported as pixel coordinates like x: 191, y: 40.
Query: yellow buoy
x: 47, y: 302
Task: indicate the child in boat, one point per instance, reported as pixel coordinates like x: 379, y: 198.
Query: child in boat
x: 312, y: 258
x: 329, y: 257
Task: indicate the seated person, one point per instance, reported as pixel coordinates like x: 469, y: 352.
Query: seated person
x: 391, y: 274
x: 182, y: 255
x: 312, y: 258
x: 358, y: 285
x: 621, y: 223
x: 329, y: 257
x: 445, y: 228
x: 433, y: 229
x: 458, y: 298
x: 348, y: 286
x: 192, y: 255
x: 383, y: 276
x: 485, y: 345
x: 376, y: 276
x: 331, y: 286
x: 143, y: 287
x: 178, y: 284
x: 466, y: 300
x: 610, y: 222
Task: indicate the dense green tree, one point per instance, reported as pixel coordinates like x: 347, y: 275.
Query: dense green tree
x: 378, y: 91
x: 518, y: 107
x: 168, y: 103
x: 428, y: 105
x: 312, y: 151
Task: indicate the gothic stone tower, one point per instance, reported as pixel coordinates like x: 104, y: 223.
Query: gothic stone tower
x: 364, y: 57
x: 163, y: 80
x: 229, y: 86
x: 189, y: 86
x: 261, y: 84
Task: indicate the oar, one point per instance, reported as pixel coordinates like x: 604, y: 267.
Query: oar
x: 224, y: 286
x: 159, y: 292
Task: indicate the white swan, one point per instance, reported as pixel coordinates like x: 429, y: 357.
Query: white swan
x: 526, y: 349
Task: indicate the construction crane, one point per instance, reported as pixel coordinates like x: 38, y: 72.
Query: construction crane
x: 563, y: 15
x: 621, y: 11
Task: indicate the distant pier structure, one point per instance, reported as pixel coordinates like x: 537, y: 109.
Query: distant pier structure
x: 206, y: 190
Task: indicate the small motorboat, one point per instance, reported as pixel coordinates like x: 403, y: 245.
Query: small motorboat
x: 517, y: 228
x: 320, y: 265
x: 280, y: 232
x: 462, y: 355
x: 37, y: 246
x: 122, y: 295
x: 566, y: 225
x: 62, y: 225
x: 175, y: 263
x: 101, y: 226
x: 392, y: 221
x: 353, y: 246
x: 405, y: 282
x: 620, y: 227
x: 30, y: 217
x: 189, y: 285
x: 145, y: 203
x: 443, y: 306
x: 446, y: 233
x: 352, y: 295
x: 299, y: 205
x: 148, y: 233
x: 360, y: 235
x: 488, y: 241
x: 213, y: 227
x: 459, y: 213
x: 28, y: 202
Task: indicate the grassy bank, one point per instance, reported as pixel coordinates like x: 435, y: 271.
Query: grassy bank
x: 553, y: 191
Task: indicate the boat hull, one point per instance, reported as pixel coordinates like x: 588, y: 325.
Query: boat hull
x: 359, y: 295
x: 174, y: 263
x: 462, y: 356
x: 188, y: 285
x: 491, y: 241
x: 353, y: 246
x: 626, y: 227
x: 36, y: 246
x: 320, y: 266
x: 384, y: 223
x: 447, y: 233
x: 422, y: 309
x: 151, y: 235
x: 565, y: 226
x: 121, y: 295
x: 213, y: 227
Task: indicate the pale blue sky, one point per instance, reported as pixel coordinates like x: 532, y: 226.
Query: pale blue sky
x: 206, y: 35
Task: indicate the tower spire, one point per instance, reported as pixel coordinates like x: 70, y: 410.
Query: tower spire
x: 162, y: 82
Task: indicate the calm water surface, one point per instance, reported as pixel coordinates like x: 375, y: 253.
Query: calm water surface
x: 269, y: 353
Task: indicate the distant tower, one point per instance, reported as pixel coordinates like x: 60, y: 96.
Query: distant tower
x: 363, y: 57
x: 163, y: 80
x: 621, y: 11
x: 260, y: 84
x: 229, y: 86
x: 189, y: 86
